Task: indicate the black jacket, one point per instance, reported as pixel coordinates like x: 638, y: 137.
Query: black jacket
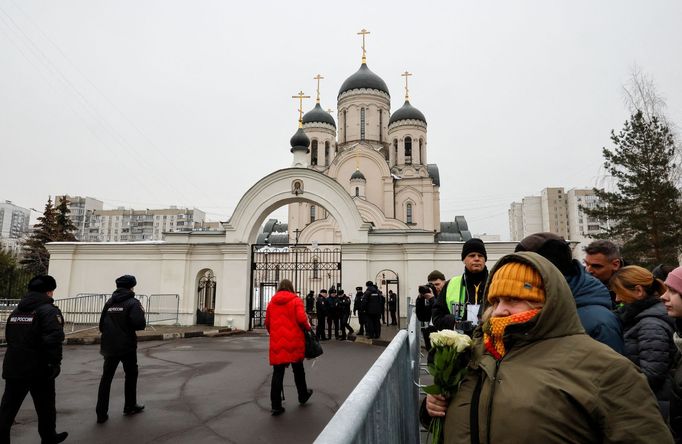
x: 121, y: 317
x: 34, y: 334
x: 344, y: 304
x: 423, y: 308
x: 357, y: 302
x: 372, y: 301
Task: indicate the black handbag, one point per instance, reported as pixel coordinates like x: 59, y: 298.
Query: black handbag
x: 313, y: 348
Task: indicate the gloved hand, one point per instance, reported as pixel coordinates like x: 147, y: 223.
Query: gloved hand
x: 54, y: 370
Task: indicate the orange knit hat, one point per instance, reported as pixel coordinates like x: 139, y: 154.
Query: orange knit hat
x: 517, y: 280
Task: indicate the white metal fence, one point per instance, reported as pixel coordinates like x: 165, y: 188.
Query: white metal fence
x: 383, y: 407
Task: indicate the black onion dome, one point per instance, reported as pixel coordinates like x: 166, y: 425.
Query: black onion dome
x: 406, y: 112
x: 357, y: 174
x: 363, y: 78
x: 318, y: 115
x: 299, y: 141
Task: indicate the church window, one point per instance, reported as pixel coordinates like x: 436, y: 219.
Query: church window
x: 357, y: 191
x: 344, y: 126
x: 422, y: 154
x: 395, y: 149
x: 408, y: 150
x: 326, y: 153
x: 408, y: 211
x: 313, y: 152
x: 381, y: 125
x: 312, y: 213
x: 362, y: 123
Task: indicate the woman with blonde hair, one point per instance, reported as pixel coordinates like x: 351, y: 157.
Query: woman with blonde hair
x: 285, y: 319
x: 647, y: 329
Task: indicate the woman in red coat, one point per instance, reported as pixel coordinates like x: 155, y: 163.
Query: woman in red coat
x: 285, y: 320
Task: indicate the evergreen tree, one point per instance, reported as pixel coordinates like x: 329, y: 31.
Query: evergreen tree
x: 643, y: 212
x: 65, y: 227
x: 35, y: 256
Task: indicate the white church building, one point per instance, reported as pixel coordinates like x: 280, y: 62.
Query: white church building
x: 363, y: 204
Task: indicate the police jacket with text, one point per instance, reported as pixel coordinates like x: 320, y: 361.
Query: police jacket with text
x: 121, y: 317
x: 373, y: 301
x: 34, y: 334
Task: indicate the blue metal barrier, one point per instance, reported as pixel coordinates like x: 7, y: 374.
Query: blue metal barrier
x: 383, y: 407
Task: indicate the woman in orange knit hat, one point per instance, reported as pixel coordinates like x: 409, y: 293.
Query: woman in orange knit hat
x: 535, y: 376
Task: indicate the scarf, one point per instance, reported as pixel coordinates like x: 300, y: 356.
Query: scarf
x: 493, y: 337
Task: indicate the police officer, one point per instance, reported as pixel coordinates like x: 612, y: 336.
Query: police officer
x: 121, y: 317
x: 373, y: 305
x: 321, y: 308
x: 344, y: 304
x: 34, y: 334
x: 357, y: 309
x: 334, y: 313
x: 310, y: 306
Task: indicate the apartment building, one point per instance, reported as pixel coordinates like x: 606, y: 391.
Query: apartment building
x: 128, y: 225
x: 13, y: 226
x: 82, y: 210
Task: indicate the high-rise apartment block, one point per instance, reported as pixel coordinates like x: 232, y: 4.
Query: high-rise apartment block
x: 127, y: 225
x: 82, y: 210
x: 555, y: 211
x: 13, y: 226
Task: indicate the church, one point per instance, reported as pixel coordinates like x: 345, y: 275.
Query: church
x: 363, y: 204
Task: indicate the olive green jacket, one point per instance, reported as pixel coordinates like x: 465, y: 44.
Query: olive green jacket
x: 555, y: 384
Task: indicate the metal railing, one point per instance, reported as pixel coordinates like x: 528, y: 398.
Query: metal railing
x: 383, y: 407
x: 82, y: 312
x: 6, y: 307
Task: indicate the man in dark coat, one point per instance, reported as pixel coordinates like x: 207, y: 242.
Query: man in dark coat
x: 461, y: 302
x: 392, y: 306
x: 592, y: 298
x: 344, y: 304
x: 321, y: 306
x: 357, y: 309
x: 121, y: 317
x: 34, y: 334
x: 373, y: 304
x: 333, y: 313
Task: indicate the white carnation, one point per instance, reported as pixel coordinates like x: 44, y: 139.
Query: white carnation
x: 451, y: 338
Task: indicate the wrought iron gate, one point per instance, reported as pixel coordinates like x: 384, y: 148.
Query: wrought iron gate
x: 307, y: 266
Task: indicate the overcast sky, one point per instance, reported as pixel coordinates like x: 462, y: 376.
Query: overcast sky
x: 147, y: 104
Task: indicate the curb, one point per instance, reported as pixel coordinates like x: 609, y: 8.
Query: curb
x: 162, y: 336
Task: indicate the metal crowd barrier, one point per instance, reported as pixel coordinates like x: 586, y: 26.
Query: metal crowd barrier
x: 383, y: 407
x: 83, y: 311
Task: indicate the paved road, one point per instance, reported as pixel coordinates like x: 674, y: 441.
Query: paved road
x: 202, y: 390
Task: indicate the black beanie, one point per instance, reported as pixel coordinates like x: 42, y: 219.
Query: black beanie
x: 552, y: 247
x: 369, y: 284
x: 474, y: 245
x: 126, y: 281
x: 332, y: 290
x: 43, y: 283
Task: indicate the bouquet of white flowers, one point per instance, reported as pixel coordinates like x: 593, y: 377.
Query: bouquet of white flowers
x: 451, y: 352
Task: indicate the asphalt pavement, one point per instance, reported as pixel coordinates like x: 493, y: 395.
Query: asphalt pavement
x: 202, y: 390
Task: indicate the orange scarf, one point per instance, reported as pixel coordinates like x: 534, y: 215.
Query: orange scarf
x: 493, y: 338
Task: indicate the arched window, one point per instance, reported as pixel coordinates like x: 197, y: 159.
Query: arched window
x: 313, y: 152
x: 408, y: 213
x: 345, y: 127
x: 326, y: 153
x: 312, y: 213
x: 381, y: 125
x: 362, y: 123
x: 395, y: 150
x: 357, y: 191
x: 408, y: 150
x: 422, y: 154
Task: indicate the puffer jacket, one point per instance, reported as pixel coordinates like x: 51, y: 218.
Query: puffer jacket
x: 594, y: 308
x: 648, y: 334
x: 676, y: 394
x: 284, y: 319
x: 555, y: 384
x: 121, y: 317
x: 34, y: 335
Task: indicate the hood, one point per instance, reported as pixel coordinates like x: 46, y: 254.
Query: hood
x: 283, y: 297
x: 646, y: 308
x: 558, y: 316
x: 32, y: 300
x: 121, y: 294
x: 587, y: 289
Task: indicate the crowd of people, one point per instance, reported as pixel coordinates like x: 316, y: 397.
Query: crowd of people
x: 562, y: 352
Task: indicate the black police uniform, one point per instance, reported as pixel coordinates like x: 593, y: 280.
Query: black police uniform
x: 121, y: 317
x: 357, y: 309
x: 344, y: 304
x: 373, y: 305
x: 34, y: 334
x: 321, y: 306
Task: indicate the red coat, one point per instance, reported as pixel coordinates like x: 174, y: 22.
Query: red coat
x: 284, y: 319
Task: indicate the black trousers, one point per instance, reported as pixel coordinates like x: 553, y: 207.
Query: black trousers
x: 319, y: 331
x: 278, y: 380
x: 42, y: 392
x: 130, y: 386
x: 393, y: 319
x: 332, y: 320
x: 373, y: 325
x: 345, y: 326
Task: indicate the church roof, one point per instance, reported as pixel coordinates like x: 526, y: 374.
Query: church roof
x: 357, y: 174
x: 299, y: 141
x: 407, y: 112
x: 363, y: 78
x: 318, y: 115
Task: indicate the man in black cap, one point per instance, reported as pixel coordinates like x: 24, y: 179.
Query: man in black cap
x: 333, y: 313
x: 357, y: 309
x: 321, y: 307
x: 460, y: 303
x: 34, y: 334
x: 373, y: 305
x: 121, y: 317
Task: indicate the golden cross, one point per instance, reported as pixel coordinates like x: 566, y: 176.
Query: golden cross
x: 407, y: 92
x: 301, y: 95
x: 318, y: 78
x: 363, y: 33
x: 329, y: 110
